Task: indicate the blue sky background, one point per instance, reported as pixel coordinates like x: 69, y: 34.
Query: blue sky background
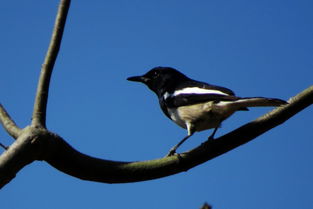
x: 256, y: 48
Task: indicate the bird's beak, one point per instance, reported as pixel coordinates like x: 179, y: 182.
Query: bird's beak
x: 141, y: 79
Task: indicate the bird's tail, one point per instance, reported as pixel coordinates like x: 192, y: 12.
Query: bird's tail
x: 260, y: 102
x: 243, y: 103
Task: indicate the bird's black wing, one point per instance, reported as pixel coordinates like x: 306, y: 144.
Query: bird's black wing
x: 173, y: 99
x: 191, y: 97
x: 203, y: 85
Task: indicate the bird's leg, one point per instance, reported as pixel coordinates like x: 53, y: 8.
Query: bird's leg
x: 173, y: 149
x: 191, y: 130
x: 211, y: 137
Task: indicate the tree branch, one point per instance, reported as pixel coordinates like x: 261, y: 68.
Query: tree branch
x: 66, y: 159
x: 40, y: 104
x: 15, y: 158
x: 8, y: 124
x: 37, y: 143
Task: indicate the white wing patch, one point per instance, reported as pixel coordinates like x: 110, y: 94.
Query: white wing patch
x: 196, y: 90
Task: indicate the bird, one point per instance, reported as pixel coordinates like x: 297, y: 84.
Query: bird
x: 196, y: 105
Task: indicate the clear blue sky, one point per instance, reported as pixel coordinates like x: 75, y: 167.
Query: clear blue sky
x: 256, y: 48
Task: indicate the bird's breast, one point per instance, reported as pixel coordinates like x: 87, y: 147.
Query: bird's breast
x: 202, y: 116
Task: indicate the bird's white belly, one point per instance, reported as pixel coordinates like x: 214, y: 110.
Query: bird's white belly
x: 201, y: 116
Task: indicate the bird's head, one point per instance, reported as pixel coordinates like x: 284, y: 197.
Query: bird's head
x: 159, y: 78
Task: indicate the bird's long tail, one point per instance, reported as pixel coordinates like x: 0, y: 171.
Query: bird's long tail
x: 243, y: 103
x: 260, y: 102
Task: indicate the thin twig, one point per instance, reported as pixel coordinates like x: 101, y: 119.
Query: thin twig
x: 3, y: 146
x: 8, y: 124
x: 40, y: 105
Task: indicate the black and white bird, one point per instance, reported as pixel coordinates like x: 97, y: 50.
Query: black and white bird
x: 196, y: 105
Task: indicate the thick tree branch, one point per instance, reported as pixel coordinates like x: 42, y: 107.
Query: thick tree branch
x: 8, y: 124
x: 40, y: 105
x: 66, y: 159
x: 37, y: 143
x: 15, y: 158
x: 32, y: 144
